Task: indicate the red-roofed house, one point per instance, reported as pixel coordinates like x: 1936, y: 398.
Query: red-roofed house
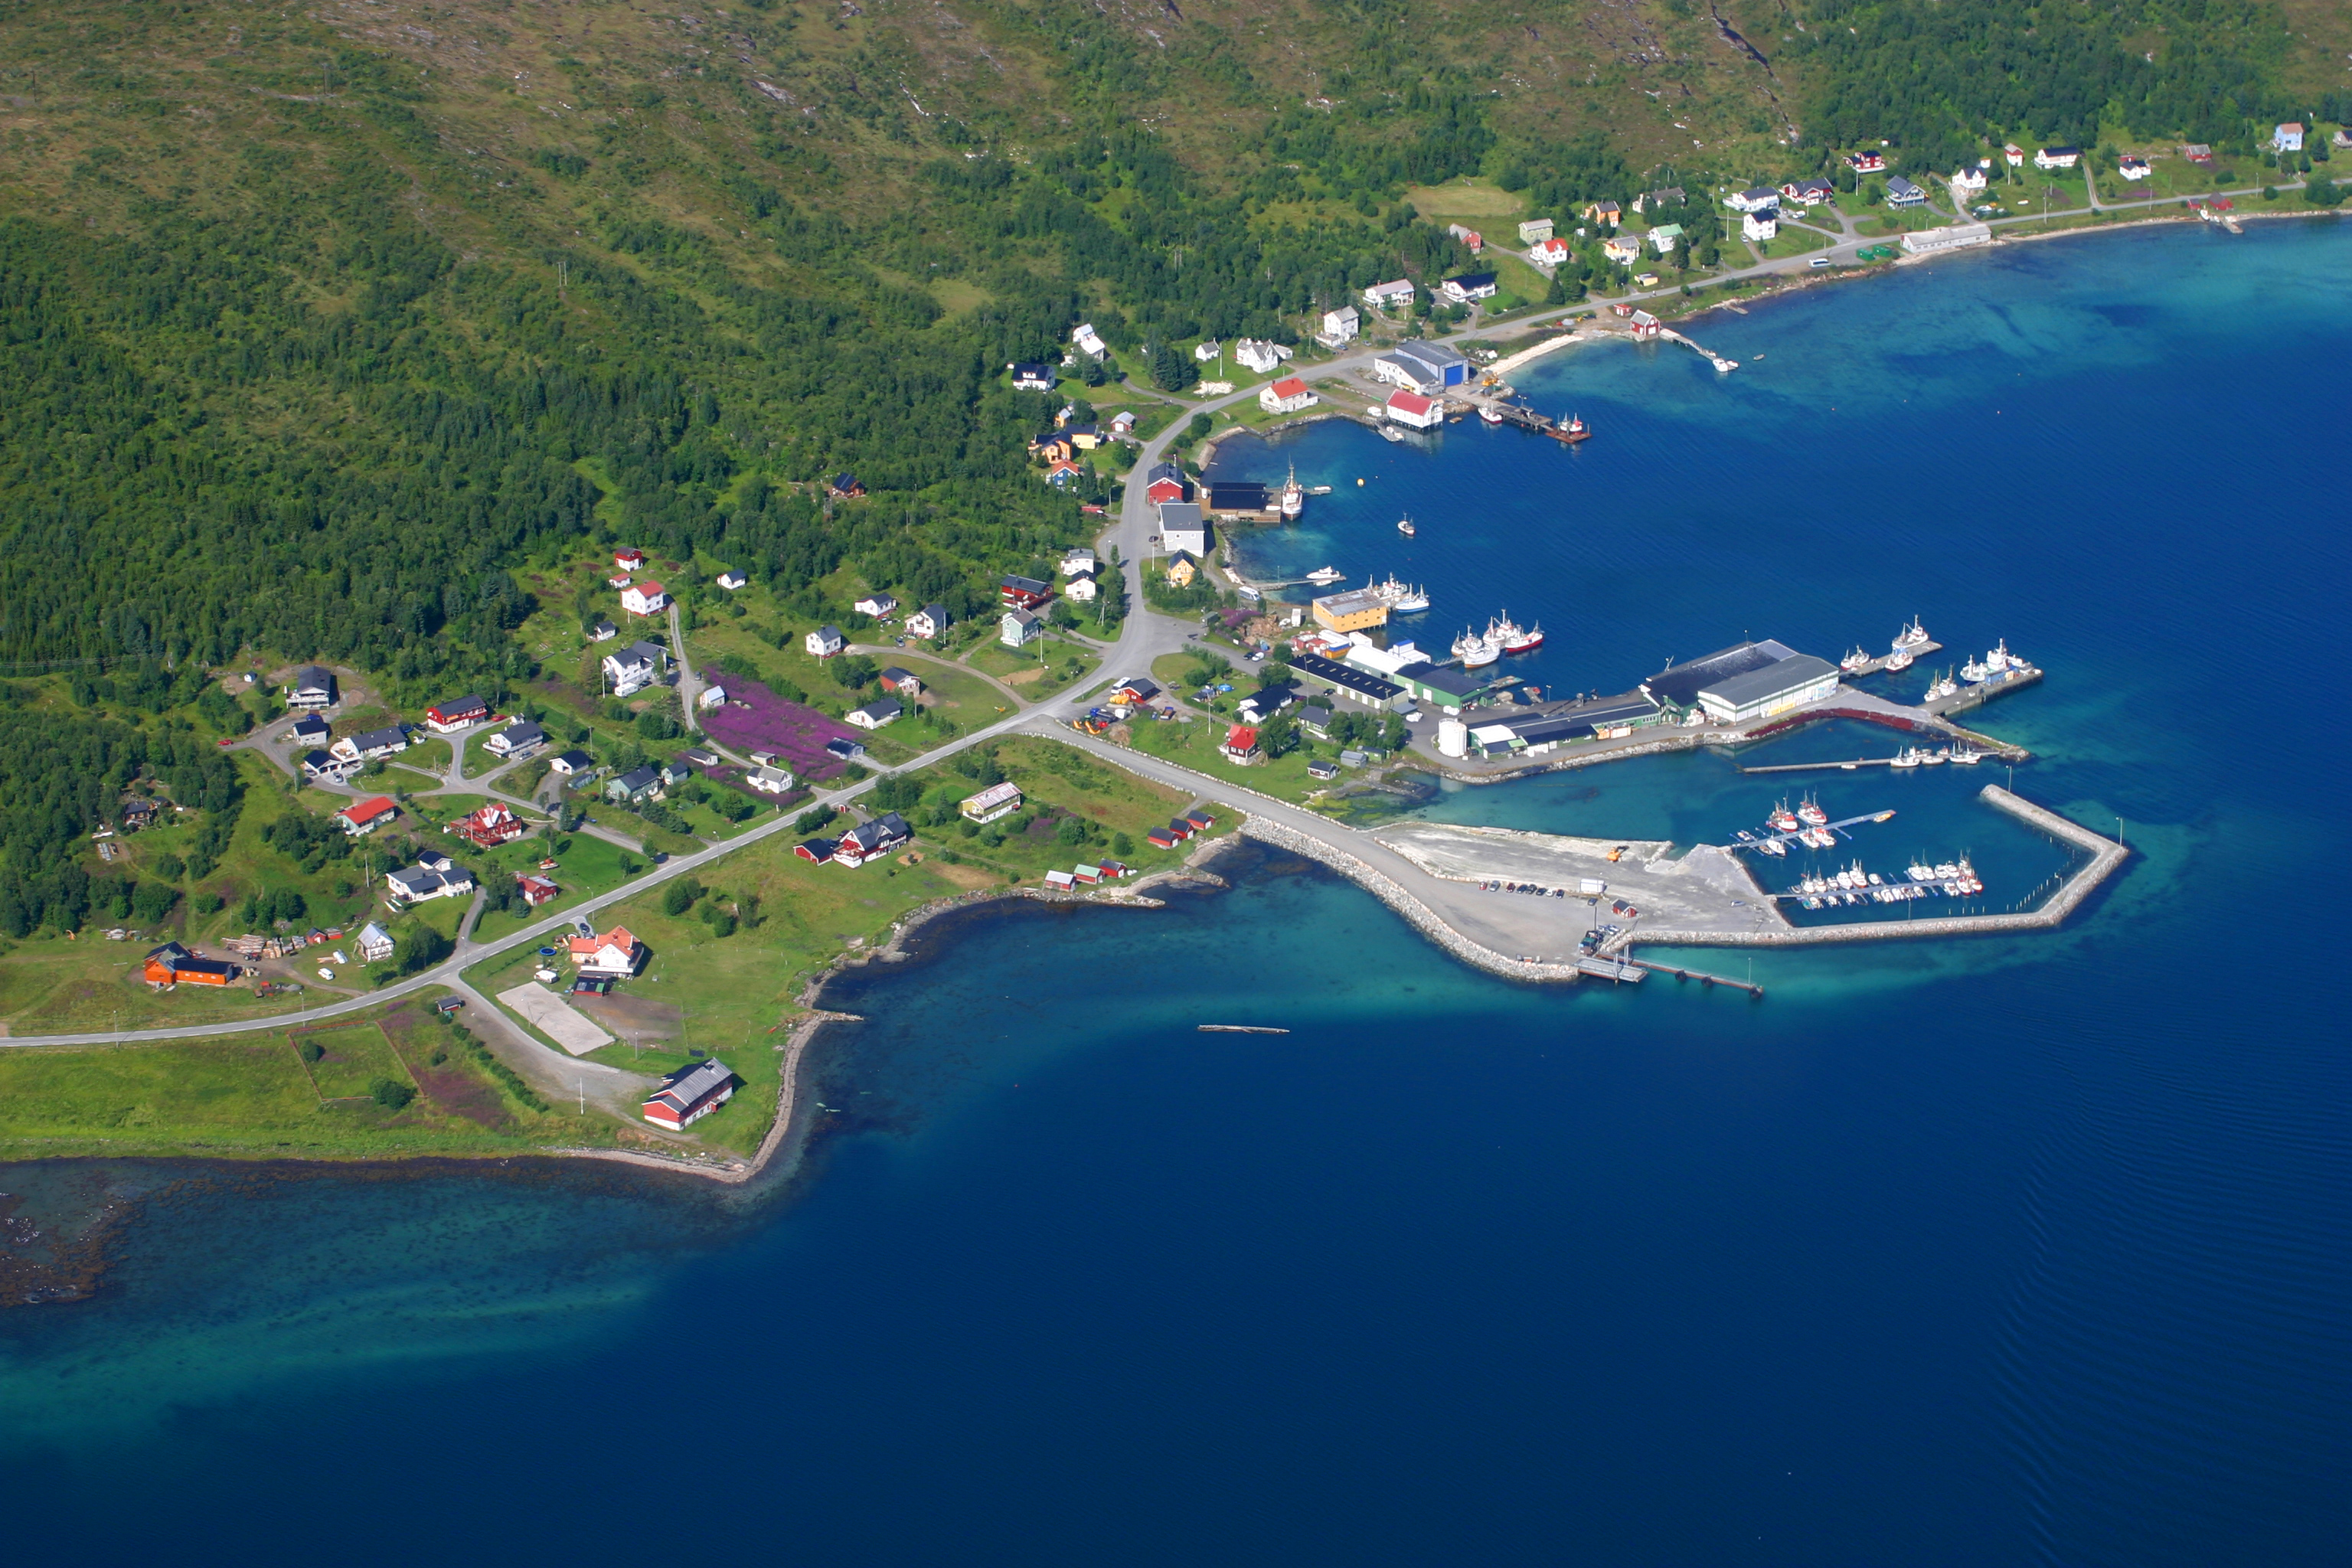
x: 490, y: 827
x: 1547, y: 252
x: 1241, y: 745
x: 1287, y: 396
x: 364, y: 817
x: 629, y: 560
x: 644, y: 598
x: 536, y: 890
x: 615, y: 953
x: 1412, y: 409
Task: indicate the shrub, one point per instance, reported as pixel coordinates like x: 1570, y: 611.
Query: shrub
x: 312, y: 1051
x: 170, y: 867
x: 679, y: 896
x: 208, y: 903
x: 1120, y: 844
x: 814, y: 819
x: 392, y: 1096
x: 722, y: 924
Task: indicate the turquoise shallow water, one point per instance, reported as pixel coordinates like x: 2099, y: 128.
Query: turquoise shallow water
x: 2005, y: 1250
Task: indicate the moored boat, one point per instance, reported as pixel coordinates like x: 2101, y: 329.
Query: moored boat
x: 1405, y: 527
x: 1403, y: 598
x: 1899, y: 660
x: 1784, y: 820
x: 1911, y: 636
x: 1293, y: 496
x: 1474, y: 651
x: 1324, y: 574
x: 1810, y: 810
x: 1490, y: 413
x: 1853, y: 661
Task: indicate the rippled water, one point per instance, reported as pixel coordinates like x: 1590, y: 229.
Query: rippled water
x: 2010, y: 1249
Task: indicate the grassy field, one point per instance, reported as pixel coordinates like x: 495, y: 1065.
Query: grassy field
x: 254, y: 1096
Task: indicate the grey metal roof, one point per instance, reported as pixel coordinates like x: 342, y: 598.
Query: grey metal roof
x: 1182, y: 514
x: 390, y: 736
x: 314, y: 677
x: 689, y: 1086
x: 1681, y: 683
x: 1357, y: 680
x: 883, y: 708
x: 1758, y: 685
x: 523, y: 733
x: 637, y: 779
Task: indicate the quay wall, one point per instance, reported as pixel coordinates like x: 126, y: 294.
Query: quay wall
x: 2106, y: 854
x: 1386, y: 889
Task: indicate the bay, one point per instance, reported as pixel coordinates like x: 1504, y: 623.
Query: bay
x: 2017, y: 1248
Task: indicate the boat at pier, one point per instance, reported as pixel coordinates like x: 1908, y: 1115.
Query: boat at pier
x: 1402, y: 598
x: 1571, y: 430
x: 1853, y: 661
x: 1900, y: 660
x: 1474, y: 651
x: 1911, y: 636
x: 1405, y: 527
x: 1908, y: 757
x: 1967, y: 756
x: 1293, y: 496
x: 1490, y: 413
x: 1391, y: 432
x: 1976, y: 672
x: 1944, y: 686
x: 1784, y: 820
x: 1512, y: 637
x: 1324, y: 574
x: 1810, y: 810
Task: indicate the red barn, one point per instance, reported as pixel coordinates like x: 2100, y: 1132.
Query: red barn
x: 689, y: 1094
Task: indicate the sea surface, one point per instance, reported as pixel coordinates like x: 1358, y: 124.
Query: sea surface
x: 2011, y: 1249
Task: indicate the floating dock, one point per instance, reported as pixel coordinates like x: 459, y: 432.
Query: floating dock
x: 1526, y: 418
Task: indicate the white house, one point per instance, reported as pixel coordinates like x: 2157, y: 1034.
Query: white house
x: 635, y: 667
x: 1759, y: 225
x: 1261, y: 355
x: 2014, y: 153
x: 1468, y: 287
x: 375, y: 943
x: 1753, y: 199
x: 603, y: 631
x: 823, y: 642
x: 1032, y: 376
x: 1624, y: 249
x: 2132, y: 168
x: 2057, y: 157
x: 1808, y: 193
x: 1902, y: 193
x: 1089, y: 342
x: 1339, y: 326
x: 1287, y: 396
x: 1076, y: 561
x: 876, y: 604
x: 1019, y: 628
x: 614, y: 955
x: 571, y: 762
x: 712, y: 697
x: 312, y: 688
x: 520, y: 739
x: 1548, y: 252
x: 1183, y: 527
x: 1535, y: 230
x: 1081, y: 588
x: 875, y: 714
x: 1207, y: 349
x: 420, y: 882
x: 769, y: 779
x: 1664, y: 237
x: 1412, y: 409
x: 1379, y: 296
x: 2288, y: 137
x: 928, y: 622
x: 731, y: 579
x: 1970, y: 178
x: 644, y: 598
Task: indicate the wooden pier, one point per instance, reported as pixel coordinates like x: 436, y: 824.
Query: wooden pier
x: 1526, y: 418
x: 1725, y: 365
x: 1969, y: 697
x: 1815, y: 767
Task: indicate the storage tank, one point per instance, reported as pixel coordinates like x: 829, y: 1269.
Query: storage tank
x: 1453, y: 737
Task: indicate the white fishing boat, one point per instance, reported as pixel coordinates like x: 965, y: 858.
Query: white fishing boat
x: 1405, y: 527
x: 1772, y: 847
x: 1911, y: 636
x: 1512, y: 637
x: 1474, y: 651
x: 1490, y: 413
x: 1853, y: 661
x: 1810, y: 810
x: 1294, y: 495
x: 1908, y: 757
x: 1976, y: 672
x: 1784, y: 820
x: 1942, y: 685
x: 1967, y: 756
x: 1899, y: 660
x: 2001, y: 660
x: 1403, y: 598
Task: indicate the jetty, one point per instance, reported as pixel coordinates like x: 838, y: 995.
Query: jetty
x: 1982, y: 691
x: 1680, y: 972
x: 1526, y: 418
x: 1879, y: 664
x: 1721, y: 364
x: 1239, y: 1029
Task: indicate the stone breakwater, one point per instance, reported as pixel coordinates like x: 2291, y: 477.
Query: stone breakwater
x: 1420, y: 916
x: 2106, y: 854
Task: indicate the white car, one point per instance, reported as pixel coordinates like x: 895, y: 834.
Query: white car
x: 1819, y: 261
x: 325, y: 973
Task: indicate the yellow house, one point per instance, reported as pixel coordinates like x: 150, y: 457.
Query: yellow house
x: 1182, y: 571
x: 1356, y: 610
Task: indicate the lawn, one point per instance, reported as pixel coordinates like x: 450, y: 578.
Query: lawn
x: 1793, y: 241
x: 252, y: 1096
x: 352, y: 1059
x: 1194, y: 744
x: 1474, y: 201
x: 585, y: 866
x: 1066, y: 663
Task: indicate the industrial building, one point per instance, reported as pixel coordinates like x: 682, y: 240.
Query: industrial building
x: 1676, y: 687
x: 1354, y: 610
x: 1770, y: 691
x: 1424, y: 367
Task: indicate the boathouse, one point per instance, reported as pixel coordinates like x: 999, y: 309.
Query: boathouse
x: 691, y: 1093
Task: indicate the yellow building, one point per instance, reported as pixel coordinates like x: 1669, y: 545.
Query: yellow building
x: 1181, y: 571
x: 1356, y: 610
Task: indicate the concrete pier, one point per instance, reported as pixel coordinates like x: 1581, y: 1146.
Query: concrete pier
x: 2107, y: 855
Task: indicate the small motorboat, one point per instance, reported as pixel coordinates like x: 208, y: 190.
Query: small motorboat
x: 1405, y: 527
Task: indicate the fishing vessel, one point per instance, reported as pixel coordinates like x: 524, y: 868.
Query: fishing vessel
x: 1389, y: 433
x: 2001, y: 660
x: 1403, y: 598
x: 1908, y: 757
x: 1490, y: 413
x: 1784, y: 820
x: 1943, y: 685
x: 1294, y: 497
x: 1474, y: 651
x: 1772, y: 847
x: 1571, y: 430
x: 1324, y: 574
x: 1911, y: 636
x: 1967, y: 756
x: 1899, y: 659
x: 1976, y: 672
x: 1512, y: 637
x: 1405, y: 527
x: 1810, y: 810
x: 1853, y: 661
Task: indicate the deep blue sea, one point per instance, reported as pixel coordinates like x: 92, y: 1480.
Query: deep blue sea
x: 2004, y: 1251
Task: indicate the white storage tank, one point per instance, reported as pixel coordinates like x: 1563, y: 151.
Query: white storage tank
x: 1453, y: 737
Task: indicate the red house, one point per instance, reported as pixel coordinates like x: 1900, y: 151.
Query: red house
x: 365, y: 816
x: 1023, y: 593
x: 629, y: 560
x: 458, y: 714
x: 490, y: 827
x: 172, y: 965
x: 536, y: 890
x: 689, y: 1094
x: 1165, y: 482
x: 1241, y: 746
x: 1867, y: 162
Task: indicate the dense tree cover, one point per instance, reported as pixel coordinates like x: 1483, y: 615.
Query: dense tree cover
x: 1936, y: 78
x: 63, y: 777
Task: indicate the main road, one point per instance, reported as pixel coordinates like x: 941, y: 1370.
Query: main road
x: 1143, y: 636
